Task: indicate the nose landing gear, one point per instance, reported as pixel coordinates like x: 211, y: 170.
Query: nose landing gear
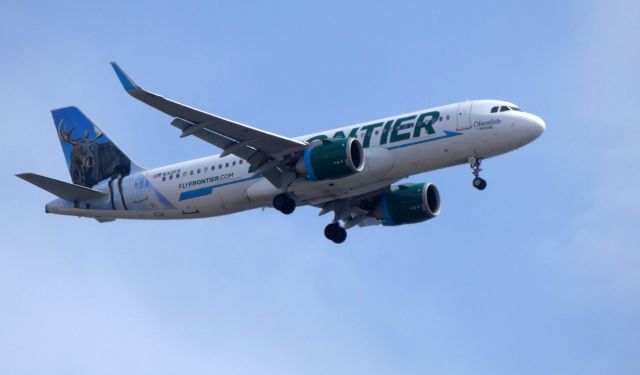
x: 478, y: 182
x: 335, y: 233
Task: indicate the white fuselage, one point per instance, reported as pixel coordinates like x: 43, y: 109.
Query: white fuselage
x: 394, y: 148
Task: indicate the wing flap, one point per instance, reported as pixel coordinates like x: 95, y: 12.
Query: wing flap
x: 229, y: 146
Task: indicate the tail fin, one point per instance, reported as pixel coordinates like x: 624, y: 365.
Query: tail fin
x: 91, y: 156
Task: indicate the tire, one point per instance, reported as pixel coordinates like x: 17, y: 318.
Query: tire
x: 483, y: 185
x: 280, y: 201
x: 289, y: 207
x: 479, y: 183
x: 342, y: 235
x: 332, y: 231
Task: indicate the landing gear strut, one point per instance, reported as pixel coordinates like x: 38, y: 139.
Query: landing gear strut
x: 284, y: 204
x: 478, y: 182
x: 335, y: 233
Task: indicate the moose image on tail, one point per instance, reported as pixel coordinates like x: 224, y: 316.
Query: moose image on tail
x: 92, y: 157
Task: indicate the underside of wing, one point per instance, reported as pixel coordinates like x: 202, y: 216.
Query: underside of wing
x: 358, y: 210
x: 392, y: 205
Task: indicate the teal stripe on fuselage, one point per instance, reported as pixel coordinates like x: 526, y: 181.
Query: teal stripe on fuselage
x: 447, y: 134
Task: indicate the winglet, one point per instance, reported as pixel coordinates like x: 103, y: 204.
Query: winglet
x: 127, y: 82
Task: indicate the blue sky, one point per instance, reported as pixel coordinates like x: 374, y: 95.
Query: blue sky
x: 536, y: 275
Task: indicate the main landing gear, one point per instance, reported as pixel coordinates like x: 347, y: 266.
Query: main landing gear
x: 284, y: 204
x: 335, y: 233
x: 478, y: 182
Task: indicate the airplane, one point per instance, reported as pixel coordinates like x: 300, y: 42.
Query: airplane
x: 352, y: 172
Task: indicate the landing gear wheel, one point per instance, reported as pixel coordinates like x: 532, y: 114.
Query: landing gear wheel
x: 335, y: 233
x: 342, y: 236
x: 479, y: 183
x: 284, y: 204
x: 331, y: 231
x: 289, y: 207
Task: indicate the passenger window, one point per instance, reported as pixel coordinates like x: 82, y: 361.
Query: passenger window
x: 191, y: 173
x: 440, y: 118
x: 213, y: 167
x: 171, y: 177
x: 226, y: 165
x: 448, y: 117
x: 494, y: 109
x: 198, y: 170
x: 240, y: 162
x: 234, y: 163
x: 164, y: 178
x: 206, y: 169
x: 220, y: 166
x: 504, y: 108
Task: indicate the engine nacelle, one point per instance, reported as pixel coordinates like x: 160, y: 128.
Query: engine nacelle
x: 331, y: 159
x: 408, y: 204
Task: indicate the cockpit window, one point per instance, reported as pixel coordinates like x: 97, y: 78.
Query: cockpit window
x: 494, y: 109
x: 504, y: 108
x: 516, y: 108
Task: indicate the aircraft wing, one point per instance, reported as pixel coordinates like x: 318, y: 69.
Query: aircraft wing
x: 355, y: 210
x: 263, y: 150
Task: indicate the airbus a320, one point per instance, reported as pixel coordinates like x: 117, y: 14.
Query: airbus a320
x: 352, y: 172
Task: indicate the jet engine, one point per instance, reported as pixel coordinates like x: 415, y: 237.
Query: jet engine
x: 331, y: 159
x: 408, y: 204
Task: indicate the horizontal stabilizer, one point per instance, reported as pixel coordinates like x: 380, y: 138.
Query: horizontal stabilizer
x: 64, y: 190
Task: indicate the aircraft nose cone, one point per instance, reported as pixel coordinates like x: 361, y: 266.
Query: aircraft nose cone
x: 540, y: 124
x: 537, y: 125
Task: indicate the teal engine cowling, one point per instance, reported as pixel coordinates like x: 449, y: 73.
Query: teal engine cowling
x: 408, y: 204
x: 331, y: 159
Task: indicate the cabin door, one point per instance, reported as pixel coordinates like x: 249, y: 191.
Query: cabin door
x: 464, y: 116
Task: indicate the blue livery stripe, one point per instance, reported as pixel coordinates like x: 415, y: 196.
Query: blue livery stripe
x: 196, y: 193
x: 308, y: 166
x: 209, y: 189
x: 384, y: 205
